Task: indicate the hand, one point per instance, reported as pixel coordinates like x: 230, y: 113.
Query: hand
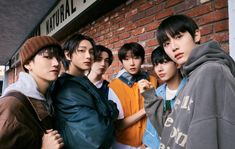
x: 52, y: 140
x: 143, y: 111
x: 144, y: 85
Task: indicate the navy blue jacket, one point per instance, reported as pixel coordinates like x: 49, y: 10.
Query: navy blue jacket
x: 84, y: 117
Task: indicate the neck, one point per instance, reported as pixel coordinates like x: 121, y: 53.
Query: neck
x: 93, y: 77
x: 41, y: 84
x: 174, y: 82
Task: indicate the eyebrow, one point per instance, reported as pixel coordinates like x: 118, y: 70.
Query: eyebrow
x: 82, y: 47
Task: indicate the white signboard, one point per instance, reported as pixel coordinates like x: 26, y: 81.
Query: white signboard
x: 63, y: 13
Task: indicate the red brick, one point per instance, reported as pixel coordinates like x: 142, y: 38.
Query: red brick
x: 146, y: 36
x: 221, y: 37
x: 164, y: 13
x: 130, y: 27
x: 138, y: 16
x: 221, y: 3
x: 152, y: 42
x: 131, y: 13
x: 179, y: 8
x: 221, y: 26
x: 151, y: 26
x: 101, y: 38
x: 138, y: 31
x: 124, y: 35
x: 155, y: 9
x: 145, y: 6
x: 145, y: 20
x: 205, y: 30
x: 113, y: 39
x: 118, y: 44
x: 131, y: 40
x: 202, y: 9
x: 213, y: 17
x: 170, y: 3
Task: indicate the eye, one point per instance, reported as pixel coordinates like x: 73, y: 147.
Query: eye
x: 166, y: 44
x: 106, y: 60
x: 91, y: 51
x: 136, y: 57
x: 178, y: 36
x: 81, y: 50
x: 47, y: 56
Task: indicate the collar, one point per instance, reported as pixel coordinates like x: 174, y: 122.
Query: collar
x: 129, y: 79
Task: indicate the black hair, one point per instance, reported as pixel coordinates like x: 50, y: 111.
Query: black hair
x: 159, y: 56
x: 99, y: 50
x: 52, y: 51
x: 175, y: 25
x: 71, y: 45
x: 134, y: 47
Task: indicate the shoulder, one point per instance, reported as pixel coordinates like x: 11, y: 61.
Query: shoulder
x: 161, y: 89
x: 115, y: 82
x: 10, y: 103
x: 211, y: 70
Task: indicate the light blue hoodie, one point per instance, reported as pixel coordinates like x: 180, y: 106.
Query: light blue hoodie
x: 151, y: 138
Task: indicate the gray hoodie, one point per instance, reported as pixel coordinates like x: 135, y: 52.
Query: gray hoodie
x: 26, y: 85
x: 203, y: 115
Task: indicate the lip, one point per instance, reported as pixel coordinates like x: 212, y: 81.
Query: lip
x: 132, y: 69
x: 161, y: 75
x: 55, y: 71
x: 87, y: 63
x: 179, y: 55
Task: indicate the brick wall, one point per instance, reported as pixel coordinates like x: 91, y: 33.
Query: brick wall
x: 137, y: 20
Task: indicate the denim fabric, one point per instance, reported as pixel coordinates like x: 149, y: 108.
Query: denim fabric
x: 150, y: 138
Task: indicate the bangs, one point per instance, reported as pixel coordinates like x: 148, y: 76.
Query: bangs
x: 170, y: 30
x: 159, y: 56
x: 174, y: 25
x: 52, y: 51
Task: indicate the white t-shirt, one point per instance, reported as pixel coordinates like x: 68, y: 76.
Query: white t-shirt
x: 170, y: 94
x: 116, y: 145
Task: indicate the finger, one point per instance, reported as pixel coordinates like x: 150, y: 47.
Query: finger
x: 54, y: 132
x: 49, y: 130
x: 60, y: 140
x: 57, y: 136
x: 61, y: 145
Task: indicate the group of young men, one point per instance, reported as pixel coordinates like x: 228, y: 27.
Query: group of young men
x: 78, y: 109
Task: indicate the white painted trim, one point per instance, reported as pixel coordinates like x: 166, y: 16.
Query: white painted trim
x: 231, y: 13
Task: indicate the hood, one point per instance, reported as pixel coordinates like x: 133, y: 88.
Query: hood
x: 208, y: 52
x: 26, y: 85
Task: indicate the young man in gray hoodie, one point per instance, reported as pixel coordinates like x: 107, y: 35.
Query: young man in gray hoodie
x: 203, y: 115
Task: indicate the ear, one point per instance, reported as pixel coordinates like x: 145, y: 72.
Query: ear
x: 197, y: 37
x: 28, y: 67
x: 67, y: 56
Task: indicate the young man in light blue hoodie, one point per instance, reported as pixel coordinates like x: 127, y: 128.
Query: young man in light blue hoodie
x: 169, y: 72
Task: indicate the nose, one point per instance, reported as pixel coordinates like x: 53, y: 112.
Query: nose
x: 132, y: 61
x: 55, y: 62
x: 174, y: 46
x: 88, y: 54
x: 159, y: 67
x: 102, y: 63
